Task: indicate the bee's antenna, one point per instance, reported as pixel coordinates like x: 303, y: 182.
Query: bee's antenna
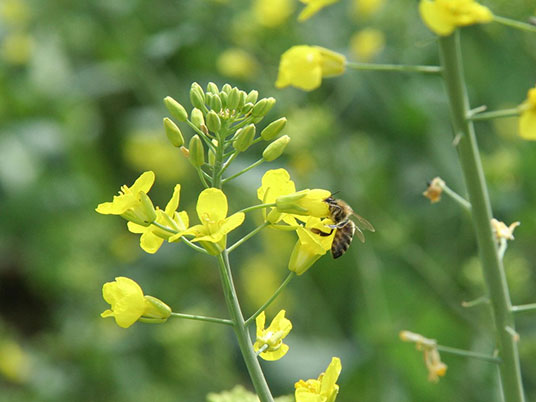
x: 336, y: 192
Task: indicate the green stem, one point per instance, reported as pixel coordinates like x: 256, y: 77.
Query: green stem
x: 495, y: 114
x: 493, y: 269
x: 248, y: 236
x: 229, y: 161
x: 202, y: 318
x: 468, y: 353
x: 242, y: 335
x: 523, y: 308
x: 218, y: 163
x: 271, y: 299
x: 259, y: 206
x: 202, y: 177
x: 466, y: 205
x: 394, y: 67
x: 201, y: 134
x: 253, y: 165
x: 514, y: 24
x: 184, y: 239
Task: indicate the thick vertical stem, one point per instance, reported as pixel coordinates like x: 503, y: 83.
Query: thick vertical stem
x: 493, y: 270
x: 242, y: 335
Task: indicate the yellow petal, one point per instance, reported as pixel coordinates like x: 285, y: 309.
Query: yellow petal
x: 173, y: 203
x: 211, y: 205
x: 135, y: 228
x: 328, y: 387
x: 143, y: 183
x: 280, y: 323
x: 126, y: 299
x: 232, y: 222
x: 435, y: 18
x: 278, y: 182
x: 527, y: 124
x: 260, y: 321
x: 272, y: 355
x: 150, y: 243
x: 301, y: 67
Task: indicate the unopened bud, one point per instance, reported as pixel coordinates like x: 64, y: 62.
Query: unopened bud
x: 247, y: 108
x: 252, y: 96
x: 197, y: 152
x: 276, y: 148
x: 273, y: 129
x: 197, y: 118
x: 223, y: 98
x: 244, y: 138
x: 173, y: 133
x: 175, y: 108
x: 213, y: 122
x: 226, y: 88
x: 197, y: 96
x: 214, y: 101
x: 263, y: 107
x: 213, y: 88
x: 234, y: 99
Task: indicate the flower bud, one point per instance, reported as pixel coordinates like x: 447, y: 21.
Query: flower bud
x: 197, y: 96
x: 173, y: 133
x: 244, y: 138
x: 223, y: 98
x: 212, y: 88
x: 242, y: 101
x: 197, y: 152
x: 263, y: 106
x: 213, y: 122
x: 234, y: 99
x: 175, y: 108
x: 288, y: 203
x: 276, y: 148
x: 197, y: 118
x: 226, y: 89
x: 214, y: 102
x: 273, y: 129
x: 156, y: 311
x: 247, y: 108
x: 252, y: 96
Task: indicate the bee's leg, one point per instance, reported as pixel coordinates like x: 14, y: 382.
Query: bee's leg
x: 339, y: 225
x: 320, y: 233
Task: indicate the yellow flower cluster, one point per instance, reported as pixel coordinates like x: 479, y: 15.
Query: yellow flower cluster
x: 527, y: 121
x: 322, y: 389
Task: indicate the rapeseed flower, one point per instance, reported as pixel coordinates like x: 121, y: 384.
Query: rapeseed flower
x: 444, y: 16
x: 527, y: 121
x: 270, y: 340
x: 132, y: 203
x: 323, y: 389
x: 152, y: 236
x: 212, y: 210
x: 128, y: 304
x: 304, y: 66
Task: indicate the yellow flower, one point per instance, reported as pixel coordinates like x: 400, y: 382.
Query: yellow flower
x: 367, y: 8
x: 527, y: 121
x: 237, y: 63
x: 16, y: 48
x: 152, y: 237
x: 272, y: 13
x: 434, y: 190
x: 304, y: 66
x: 271, y: 339
x: 310, y: 246
x: 367, y: 43
x: 212, y: 212
x: 444, y: 16
x: 278, y: 188
x: 323, y: 389
x: 128, y: 304
x: 436, y: 368
x: 132, y: 203
x: 312, y: 7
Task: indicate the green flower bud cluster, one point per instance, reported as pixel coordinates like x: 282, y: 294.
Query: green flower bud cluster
x: 224, y: 122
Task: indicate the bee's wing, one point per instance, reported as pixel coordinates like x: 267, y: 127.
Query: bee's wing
x: 363, y: 223
x: 359, y: 234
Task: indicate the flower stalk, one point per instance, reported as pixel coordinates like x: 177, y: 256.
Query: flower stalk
x: 394, y: 67
x: 493, y: 270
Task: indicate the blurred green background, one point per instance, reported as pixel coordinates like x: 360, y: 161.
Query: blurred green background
x: 81, y: 111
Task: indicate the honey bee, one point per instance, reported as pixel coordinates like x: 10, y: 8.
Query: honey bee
x: 340, y: 213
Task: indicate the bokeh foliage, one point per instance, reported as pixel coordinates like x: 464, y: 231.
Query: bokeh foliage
x: 80, y: 114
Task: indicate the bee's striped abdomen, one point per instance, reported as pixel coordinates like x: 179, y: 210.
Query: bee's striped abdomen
x: 342, y: 239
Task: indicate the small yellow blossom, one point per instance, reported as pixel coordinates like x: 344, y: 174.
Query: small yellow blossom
x: 128, y: 304
x: 310, y: 245
x: 212, y: 210
x: 367, y: 43
x: 237, y: 63
x: 434, y: 190
x: 503, y: 232
x: 527, y: 120
x: 444, y: 16
x: 132, y: 203
x: 272, y: 13
x: 152, y: 236
x: 278, y: 188
x: 304, y: 66
x: 436, y: 368
x: 16, y: 48
x: 312, y: 7
x: 323, y: 389
x: 271, y: 339
x: 366, y: 8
